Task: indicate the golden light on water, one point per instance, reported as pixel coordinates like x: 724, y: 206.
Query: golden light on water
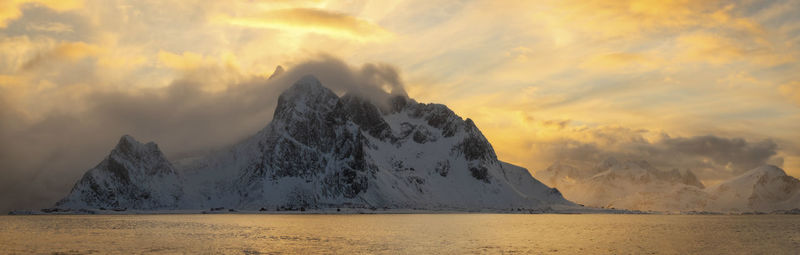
x: 392, y: 234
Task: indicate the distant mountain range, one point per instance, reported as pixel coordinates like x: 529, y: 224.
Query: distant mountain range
x: 636, y: 185
x: 323, y: 151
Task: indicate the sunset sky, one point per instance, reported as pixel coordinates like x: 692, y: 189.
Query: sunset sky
x: 713, y: 86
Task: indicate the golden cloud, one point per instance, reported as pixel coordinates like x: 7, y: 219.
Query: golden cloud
x: 618, y: 61
x: 792, y: 91
x: 717, y: 49
x: 185, y: 61
x: 634, y: 18
x: 312, y: 20
x: 76, y: 50
x: 69, y: 51
x: 54, y: 27
x: 12, y: 9
x: 710, y: 48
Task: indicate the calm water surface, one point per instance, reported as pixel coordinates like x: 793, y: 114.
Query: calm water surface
x: 400, y: 234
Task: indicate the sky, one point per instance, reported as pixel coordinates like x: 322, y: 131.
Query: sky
x: 711, y: 86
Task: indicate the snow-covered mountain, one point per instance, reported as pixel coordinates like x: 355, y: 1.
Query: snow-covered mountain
x: 324, y: 151
x: 764, y: 189
x: 133, y: 175
x: 636, y: 185
x: 628, y: 184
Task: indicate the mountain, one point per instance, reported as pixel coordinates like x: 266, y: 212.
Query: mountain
x: 133, y: 175
x: 325, y: 151
x: 636, y: 185
x: 763, y: 189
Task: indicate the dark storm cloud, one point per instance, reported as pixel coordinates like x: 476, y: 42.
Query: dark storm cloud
x: 737, y: 153
x: 41, y: 159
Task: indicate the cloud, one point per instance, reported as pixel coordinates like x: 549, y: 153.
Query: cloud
x: 735, y: 154
x: 711, y: 157
x: 185, y: 61
x: 792, y: 91
x: 43, y: 155
x: 68, y: 51
x: 12, y: 9
x: 312, y: 20
x: 716, y: 49
x: 54, y: 27
x: 642, y: 17
x: 620, y: 61
x: 18, y: 50
x: 374, y: 81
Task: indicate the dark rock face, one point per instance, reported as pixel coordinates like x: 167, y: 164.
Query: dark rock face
x: 349, y: 182
x: 687, y: 177
x: 480, y: 173
x: 366, y: 116
x: 324, y: 137
x: 398, y: 103
x: 437, y: 116
x: 309, y: 112
x: 319, y: 123
x: 475, y: 146
x: 442, y: 168
x: 315, y: 134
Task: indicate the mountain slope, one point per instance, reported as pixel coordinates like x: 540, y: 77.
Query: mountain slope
x: 766, y: 188
x: 324, y: 151
x: 634, y: 185
x: 133, y: 175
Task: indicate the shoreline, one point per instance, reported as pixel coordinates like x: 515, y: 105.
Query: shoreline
x: 362, y: 211
x: 327, y: 211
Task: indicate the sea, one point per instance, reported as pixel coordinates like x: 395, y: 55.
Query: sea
x: 400, y: 234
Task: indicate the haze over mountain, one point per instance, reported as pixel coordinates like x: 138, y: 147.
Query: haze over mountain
x: 324, y: 151
x: 637, y: 185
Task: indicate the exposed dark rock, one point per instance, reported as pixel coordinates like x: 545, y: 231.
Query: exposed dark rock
x: 438, y: 116
x: 398, y: 103
x: 475, y: 146
x: 480, y: 173
x: 366, y: 116
x: 442, y: 168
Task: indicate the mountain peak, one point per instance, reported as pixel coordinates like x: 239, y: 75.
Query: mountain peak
x: 306, y: 95
x: 278, y: 71
x: 307, y: 86
x: 127, y: 140
x: 606, y: 164
x: 309, y: 81
x: 133, y: 175
x: 129, y: 145
x: 768, y: 170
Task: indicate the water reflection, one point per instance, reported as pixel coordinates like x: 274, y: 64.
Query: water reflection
x: 406, y: 234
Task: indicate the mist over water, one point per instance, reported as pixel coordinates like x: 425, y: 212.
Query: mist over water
x: 401, y: 234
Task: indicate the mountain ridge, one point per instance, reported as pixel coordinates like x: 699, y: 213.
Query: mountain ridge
x: 322, y: 151
x: 637, y: 185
